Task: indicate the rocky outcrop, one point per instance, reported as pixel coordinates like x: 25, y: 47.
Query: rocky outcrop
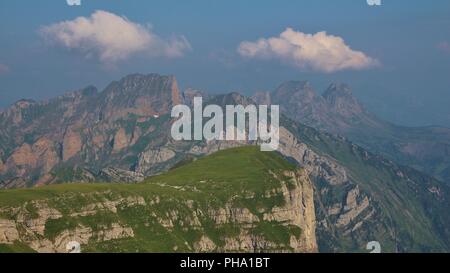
x: 352, y: 208
x: 214, y: 146
x: 150, y: 158
x: 46, y: 150
x: 8, y: 231
x: 298, y: 209
x: 35, y: 220
x: 121, y: 140
x: 31, y: 222
x: 118, y: 175
x: 190, y: 94
x: 41, y: 155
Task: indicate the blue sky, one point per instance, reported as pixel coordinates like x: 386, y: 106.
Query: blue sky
x: 409, y: 38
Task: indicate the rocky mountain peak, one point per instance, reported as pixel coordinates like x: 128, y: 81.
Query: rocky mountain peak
x: 189, y: 95
x: 340, y: 98
x: 89, y: 91
x: 232, y: 98
x: 297, y: 99
x: 140, y: 84
x: 142, y: 95
x: 23, y: 103
x: 338, y: 89
x: 13, y: 114
x: 300, y: 92
x: 262, y: 97
x: 134, y: 82
x: 294, y: 87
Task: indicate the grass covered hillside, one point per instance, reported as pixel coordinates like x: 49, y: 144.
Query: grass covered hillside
x: 234, y: 200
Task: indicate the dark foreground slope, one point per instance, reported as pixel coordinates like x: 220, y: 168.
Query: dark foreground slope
x: 235, y: 200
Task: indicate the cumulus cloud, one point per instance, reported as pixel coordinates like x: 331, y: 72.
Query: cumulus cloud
x: 112, y: 38
x: 4, y: 69
x: 318, y: 52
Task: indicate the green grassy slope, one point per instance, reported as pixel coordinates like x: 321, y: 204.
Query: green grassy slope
x: 240, y: 177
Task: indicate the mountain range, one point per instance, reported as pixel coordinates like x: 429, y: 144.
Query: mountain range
x: 121, y: 134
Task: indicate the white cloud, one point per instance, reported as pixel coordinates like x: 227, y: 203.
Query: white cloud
x: 112, y: 38
x: 318, y: 52
x: 4, y: 69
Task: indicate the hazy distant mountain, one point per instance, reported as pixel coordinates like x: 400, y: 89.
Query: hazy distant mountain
x: 122, y: 135
x: 338, y: 111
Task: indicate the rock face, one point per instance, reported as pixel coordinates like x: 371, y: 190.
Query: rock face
x: 322, y: 167
x: 71, y: 144
x: 121, y: 140
x: 141, y: 95
x: 113, y: 174
x: 41, y: 142
x: 31, y: 228
x: 299, y: 98
x: 299, y: 207
x: 150, y: 158
x: 8, y: 231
